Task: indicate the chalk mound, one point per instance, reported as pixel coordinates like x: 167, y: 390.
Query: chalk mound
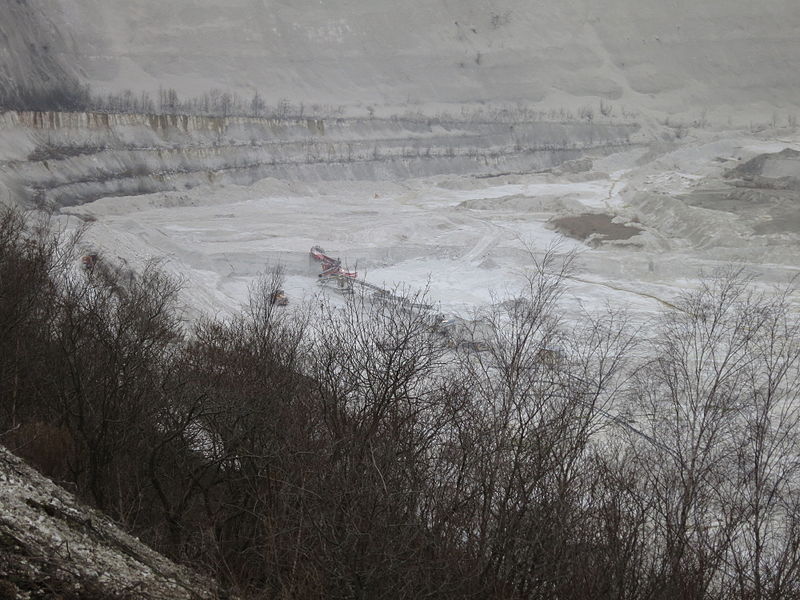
x: 778, y: 170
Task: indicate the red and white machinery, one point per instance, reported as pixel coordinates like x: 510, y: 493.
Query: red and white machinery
x: 331, y: 267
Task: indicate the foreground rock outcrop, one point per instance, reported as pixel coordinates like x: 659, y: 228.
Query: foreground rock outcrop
x: 53, y: 546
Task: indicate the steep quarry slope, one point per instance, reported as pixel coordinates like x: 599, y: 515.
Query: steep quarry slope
x: 52, y: 546
x: 665, y: 55
x: 36, y: 50
x: 702, y: 60
x: 64, y: 159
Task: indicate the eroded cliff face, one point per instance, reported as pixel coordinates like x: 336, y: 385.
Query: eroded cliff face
x: 679, y: 57
x: 37, y: 54
x: 705, y: 61
x: 62, y: 159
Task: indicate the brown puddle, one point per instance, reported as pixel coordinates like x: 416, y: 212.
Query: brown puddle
x: 584, y: 226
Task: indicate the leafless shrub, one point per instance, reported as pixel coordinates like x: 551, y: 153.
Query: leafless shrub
x: 354, y: 450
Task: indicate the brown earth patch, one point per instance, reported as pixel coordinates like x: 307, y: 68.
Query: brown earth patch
x: 582, y: 227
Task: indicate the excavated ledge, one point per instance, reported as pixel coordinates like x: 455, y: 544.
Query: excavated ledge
x: 63, y: 159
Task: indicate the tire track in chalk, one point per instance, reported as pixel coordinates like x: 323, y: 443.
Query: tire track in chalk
x: 627, y: 291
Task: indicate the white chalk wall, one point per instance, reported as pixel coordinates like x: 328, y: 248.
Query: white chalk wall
x: 663, y: 55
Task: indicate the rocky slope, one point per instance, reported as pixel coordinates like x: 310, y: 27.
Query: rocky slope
x: 51, y: 544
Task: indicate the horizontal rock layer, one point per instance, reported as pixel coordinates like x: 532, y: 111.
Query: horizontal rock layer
x: 64, y: 159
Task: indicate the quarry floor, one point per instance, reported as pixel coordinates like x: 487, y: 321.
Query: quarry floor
x: 640, y: 240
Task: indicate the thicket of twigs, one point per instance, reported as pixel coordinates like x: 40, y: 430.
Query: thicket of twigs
x: 351, y: 453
